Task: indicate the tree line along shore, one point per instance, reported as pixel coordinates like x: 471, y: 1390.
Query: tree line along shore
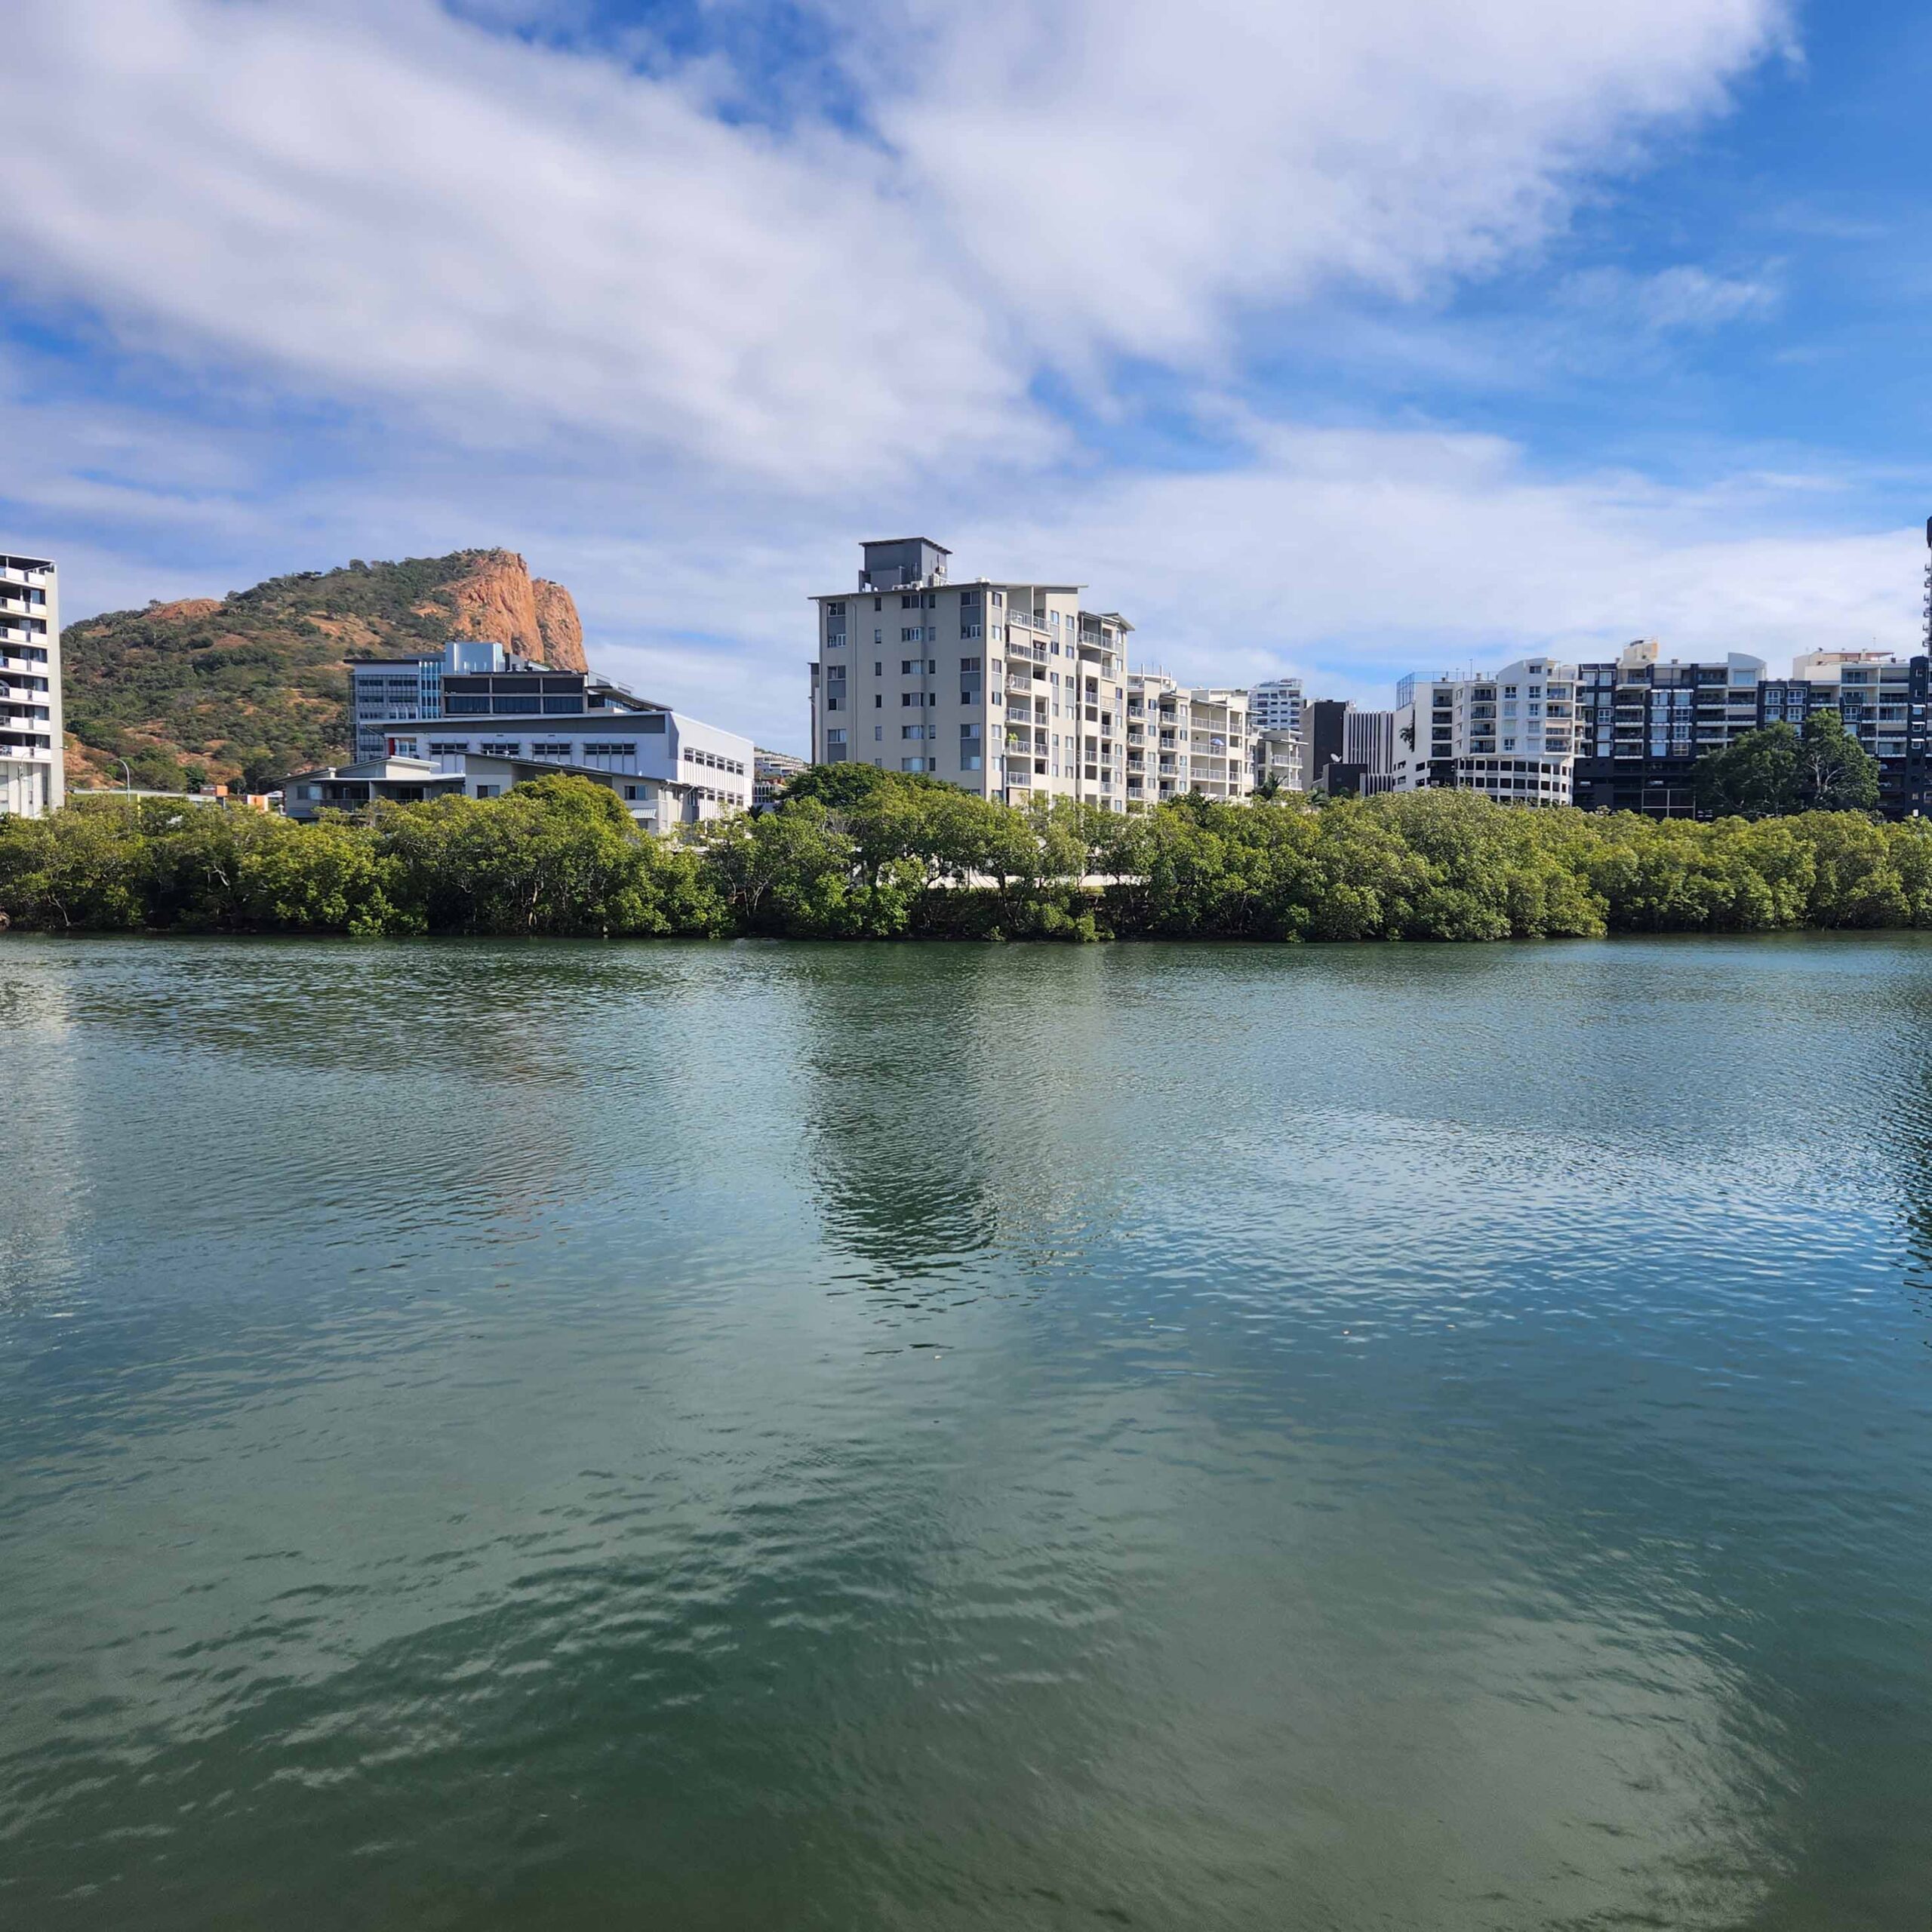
x: 854, y: 853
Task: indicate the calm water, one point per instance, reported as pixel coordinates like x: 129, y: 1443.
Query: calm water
x: 754, y: 1436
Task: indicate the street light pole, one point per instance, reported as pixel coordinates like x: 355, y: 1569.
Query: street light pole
x: 127, y: 772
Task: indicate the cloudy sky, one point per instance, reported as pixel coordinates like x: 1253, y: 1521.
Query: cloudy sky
x: 1340, y: 336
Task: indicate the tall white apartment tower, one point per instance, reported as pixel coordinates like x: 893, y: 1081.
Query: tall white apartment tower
x: 1275, y: 705
x: 1010, y: 690
x: 1511, y: 738
x: 33, y: 762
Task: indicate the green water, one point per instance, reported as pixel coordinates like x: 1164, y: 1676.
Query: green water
x: 498, y: 1437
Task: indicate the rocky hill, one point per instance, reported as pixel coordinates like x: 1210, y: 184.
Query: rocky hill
x: 254, y: 685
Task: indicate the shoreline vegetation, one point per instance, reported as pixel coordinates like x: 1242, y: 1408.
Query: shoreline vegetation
x: 854, y: 853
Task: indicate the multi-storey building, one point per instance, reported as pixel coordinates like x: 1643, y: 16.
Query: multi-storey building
x: 1275, y: 705
x: 384, y: 691
x: 571, y: 718
x: 1882, y: 699
x: 1642, y: 725
x: 1182, y: 738
x: 1368, y: 741
x: 1325, y: 733
x: 1010, y: 690
x: 771, y: 772
x: 1278, y: 758
x: 33, y: 763
x: 1510, y: 736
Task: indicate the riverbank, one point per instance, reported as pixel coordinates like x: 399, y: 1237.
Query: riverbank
x: 891, y: 859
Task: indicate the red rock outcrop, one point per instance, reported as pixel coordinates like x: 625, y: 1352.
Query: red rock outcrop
x: 559, y: 627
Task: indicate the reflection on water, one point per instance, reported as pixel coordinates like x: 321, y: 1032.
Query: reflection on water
x: 759, y: 1436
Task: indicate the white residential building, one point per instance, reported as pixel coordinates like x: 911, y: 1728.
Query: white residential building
x: 33, y: 761
x: 1281, y: 756
x: 1511, y: 738
x: 1010, y: 690
x: 1182, y: 738
x: 1275, y: 705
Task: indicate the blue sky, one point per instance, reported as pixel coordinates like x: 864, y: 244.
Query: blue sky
x: 1341, y: 339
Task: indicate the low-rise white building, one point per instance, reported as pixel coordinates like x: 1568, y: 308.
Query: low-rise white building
x: 707, y: 771
x: 657, y: 805
x: 33, y: 761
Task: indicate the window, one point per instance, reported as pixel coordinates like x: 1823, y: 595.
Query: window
x: 911, y: 730
x: 594, y: 750
x: 910, y: 601
x: 916, y: 764
x: 879, y: 701
x: 549, y: 751
x: 837, y: 737
x: 835, y: 610
x: 969, y: 664
x: 500, y: 751
x: 447, y: 748
x: 486, y: 791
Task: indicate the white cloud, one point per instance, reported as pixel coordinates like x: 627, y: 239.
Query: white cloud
x: 1129, y: 172
x: 392, y: 202
x: 1684, y: 297
x: 523, y: 295
x: 411, y: 207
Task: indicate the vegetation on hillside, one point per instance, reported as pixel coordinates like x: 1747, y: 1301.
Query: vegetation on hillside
x: 856, y: 854
x: 249, y: 688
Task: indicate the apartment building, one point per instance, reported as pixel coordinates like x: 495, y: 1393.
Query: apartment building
x: 1275, y: 705
x: 1011, y: 690
x: 1882, y: 699
x: 1511, y: 738
x: 1643, y: 722
x: 33, y: 761
x: 1182, y: 738
x: 1280, y: 757
x: 771, y: 772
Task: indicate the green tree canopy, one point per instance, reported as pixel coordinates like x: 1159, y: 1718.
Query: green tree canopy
x: 1775, y: 771
x: 1755, y: 776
